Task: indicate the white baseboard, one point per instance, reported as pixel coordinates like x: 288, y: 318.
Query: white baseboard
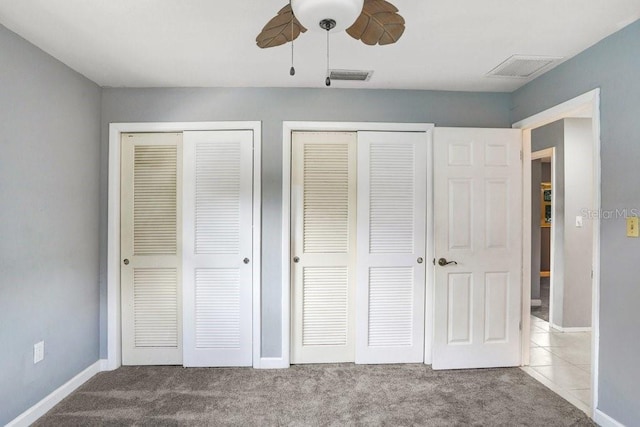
x: 32, y: 414
x: 272, y: 363
x: 571, y: 329
x: 536, y: 303
x: 605, y: 420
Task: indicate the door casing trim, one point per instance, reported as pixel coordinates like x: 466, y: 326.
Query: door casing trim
x: 114, y: 332
x: 292, y: 126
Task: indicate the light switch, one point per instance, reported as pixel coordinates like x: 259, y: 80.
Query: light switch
x: 632, y: 227
x: 38, y: 352
x: 579, y: 221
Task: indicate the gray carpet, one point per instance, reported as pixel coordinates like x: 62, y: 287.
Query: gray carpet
x: 346, y: 394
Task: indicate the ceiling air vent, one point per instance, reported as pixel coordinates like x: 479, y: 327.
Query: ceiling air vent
x: 523, y: 67
x: 351, y: 75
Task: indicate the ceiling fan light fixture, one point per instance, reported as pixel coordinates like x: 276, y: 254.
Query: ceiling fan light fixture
x: 311, y: 12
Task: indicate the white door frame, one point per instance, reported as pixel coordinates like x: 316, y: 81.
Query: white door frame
x: 291, y: 126
x: 589, y: 100
x: 114, y: 333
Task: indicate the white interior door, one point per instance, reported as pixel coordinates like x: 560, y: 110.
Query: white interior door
x: 478, y: 227
x: 392, y: 193
x: 323, y: 215
x: 151, y: 249
x: 218, y: 193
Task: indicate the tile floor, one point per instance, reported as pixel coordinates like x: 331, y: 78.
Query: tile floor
x: 562, y: 362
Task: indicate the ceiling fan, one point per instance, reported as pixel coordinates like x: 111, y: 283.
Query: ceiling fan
x: 378, y: 21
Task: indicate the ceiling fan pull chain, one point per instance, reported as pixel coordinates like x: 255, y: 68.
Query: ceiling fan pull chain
x: 292, y: 71
x: 328, y: 80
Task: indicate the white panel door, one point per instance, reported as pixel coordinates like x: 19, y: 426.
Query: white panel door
x: 217, y: 272
x: 323, y: 215
x: 392, y: 193
x: 478, y: 229
x: 151, y: 249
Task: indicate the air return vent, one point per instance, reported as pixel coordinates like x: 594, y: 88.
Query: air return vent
x: 351, y: 75
x: 523, y: 67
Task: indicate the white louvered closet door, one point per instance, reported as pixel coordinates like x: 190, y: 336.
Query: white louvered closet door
x: 151, y: 249
x: 323, y: 215
x: 218, y: 197
x: 392, y: 187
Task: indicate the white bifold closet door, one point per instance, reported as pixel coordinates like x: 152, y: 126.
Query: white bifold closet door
x: 151, y: 249
x: 323, y: 215
x: 217, y: 272
x: 392, y: 189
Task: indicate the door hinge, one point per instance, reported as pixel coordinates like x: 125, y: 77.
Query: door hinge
x: 520, y: 154
x: 520, y: 325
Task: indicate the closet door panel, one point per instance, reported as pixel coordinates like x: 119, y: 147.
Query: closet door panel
x: 218, y: 197
x: 151, y: 170
x: 391, y: 247
x: 323, y: 247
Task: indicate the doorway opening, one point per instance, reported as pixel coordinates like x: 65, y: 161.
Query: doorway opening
x: 562, y: 350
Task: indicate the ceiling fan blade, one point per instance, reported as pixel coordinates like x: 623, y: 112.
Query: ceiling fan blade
x: 379, y: 23
x: 278, y: 30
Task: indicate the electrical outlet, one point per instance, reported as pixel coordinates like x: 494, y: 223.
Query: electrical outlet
x: 38, y: 352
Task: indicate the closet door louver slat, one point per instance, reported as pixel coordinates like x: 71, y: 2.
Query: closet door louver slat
x: 391, y: 198
x: 326, y: 198
x: 155, y: 308
x: 325, y: 303
x: 217, y: 308
x: 218, y: 169
x: 155, y: 197
x: 391, y: 306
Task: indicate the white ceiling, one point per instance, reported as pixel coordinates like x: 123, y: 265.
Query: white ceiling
x: 448, y: 44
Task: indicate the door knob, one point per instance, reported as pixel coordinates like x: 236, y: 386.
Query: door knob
x: 296, y: 259
x: 126, y: 261
x: 246, y: 260
x: 443, y: 261
x: 420, y: 260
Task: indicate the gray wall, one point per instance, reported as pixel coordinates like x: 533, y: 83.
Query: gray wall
x: 272, y: 106
x: 552, y: 135
x: 578, y: 242
x: 49, y: 194
x: 613, y: 65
